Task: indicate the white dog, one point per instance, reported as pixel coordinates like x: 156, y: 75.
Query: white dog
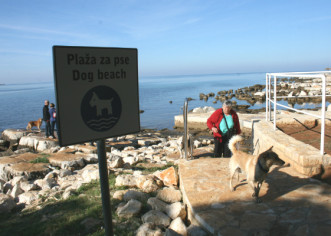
x: 181, y: 147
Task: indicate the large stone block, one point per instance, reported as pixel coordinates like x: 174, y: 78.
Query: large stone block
x: 13, y: 135
x: 304, y: 158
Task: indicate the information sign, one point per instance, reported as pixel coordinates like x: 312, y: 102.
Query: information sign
x: 96, y: 92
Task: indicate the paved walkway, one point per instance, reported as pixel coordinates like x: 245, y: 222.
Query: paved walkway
x: 292, y: 204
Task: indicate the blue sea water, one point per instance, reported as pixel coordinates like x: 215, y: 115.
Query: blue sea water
x: 21, y: 103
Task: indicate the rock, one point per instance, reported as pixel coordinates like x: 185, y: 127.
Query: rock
x: 207, y: 109
x: 147, y: 183
x: 131, y: 160
x: 194, y: 230
x: 130, y: 209
x: 7, y: 203
x: 178, y: 226
x: 16, y: 190
x: 51, y: 175
x: 3, y: 143
x: 119, y: 194
x: 68, y: 192
x: 90, y: 172
x: 126, y: 180
x: 46, y: 144
x: 197, y: 144
x: 7, y: 187
x: 149, y: 229
x: 21, y: 151
x: 28, y: 197
x: 157, y: 204
x: 4, y: 174
x: 175, y: 210
x: 28, y: 141
x: 329, y: 108
x: 91, y: 158
x: 67, y: 160
x: 136, y: 195
x: 169, y: 195
x: 30, y: 170
x: 28, y: 186
x: 2, y: 184
x: 37, y: 143
x: 115, y: 162
x: 169, y: 177
x: 18, y: 180
x: 13, y: 136
x: 198, y: 110
x: 302, y: 93
x: 261, y: 94
x: 86, y: 149
x: 170, y: 232
x: 157, y: 218
x: 48, y: 184
x: 148, y: 142
x: 64, y: 173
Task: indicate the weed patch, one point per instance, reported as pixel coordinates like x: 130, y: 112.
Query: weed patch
x: 43, y: 158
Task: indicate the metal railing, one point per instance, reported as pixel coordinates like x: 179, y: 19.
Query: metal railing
x: 185, y: 127
x: 301, y: 75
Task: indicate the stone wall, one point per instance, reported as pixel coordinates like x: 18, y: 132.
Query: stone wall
x: 302, y: 157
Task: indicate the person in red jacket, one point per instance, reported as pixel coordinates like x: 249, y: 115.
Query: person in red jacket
x: 223, y: 122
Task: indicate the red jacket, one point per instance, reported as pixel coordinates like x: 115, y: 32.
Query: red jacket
x: 215, y: 119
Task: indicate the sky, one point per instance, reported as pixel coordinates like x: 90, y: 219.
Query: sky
x: 173, y: 37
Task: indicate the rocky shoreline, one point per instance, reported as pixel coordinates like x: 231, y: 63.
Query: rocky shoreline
x: 292, y: 90
x: 34, y: 170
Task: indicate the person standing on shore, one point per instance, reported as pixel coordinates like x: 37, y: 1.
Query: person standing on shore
x: 46, y: 118
x: 224, y: 123
x: 52, y: 113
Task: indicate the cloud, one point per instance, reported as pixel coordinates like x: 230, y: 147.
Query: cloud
x: 34, y: 53
x: 38, y: 30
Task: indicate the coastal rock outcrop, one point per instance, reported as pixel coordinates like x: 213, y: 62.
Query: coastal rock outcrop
x: 13, y: 136
x: 31, y: 176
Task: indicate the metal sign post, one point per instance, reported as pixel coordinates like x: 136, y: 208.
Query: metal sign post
x: 104, y: 185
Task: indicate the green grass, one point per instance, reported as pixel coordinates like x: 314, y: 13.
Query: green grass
x: 153, y: 169
x: 41, y: 159
x: 64, y: 217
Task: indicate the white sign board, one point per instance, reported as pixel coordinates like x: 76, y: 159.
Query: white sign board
x: 96, y: 92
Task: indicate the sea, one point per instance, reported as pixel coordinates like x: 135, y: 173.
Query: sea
x: 160, y: 97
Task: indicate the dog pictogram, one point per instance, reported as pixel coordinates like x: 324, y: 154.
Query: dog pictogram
x: 101, y: 104
x: 101, y: 108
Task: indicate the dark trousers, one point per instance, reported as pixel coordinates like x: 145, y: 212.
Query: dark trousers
x: 53, y: 123
x: 48, y: 128
x: 222, y: 148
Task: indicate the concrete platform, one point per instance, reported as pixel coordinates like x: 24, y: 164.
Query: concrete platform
x: 292, y: 203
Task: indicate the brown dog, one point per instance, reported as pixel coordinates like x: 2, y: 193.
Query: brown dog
x: 35, y: 123
x: 256, y: 167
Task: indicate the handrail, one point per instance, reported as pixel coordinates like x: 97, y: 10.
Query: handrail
x: 303, y: 75
x: 185, y: 127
